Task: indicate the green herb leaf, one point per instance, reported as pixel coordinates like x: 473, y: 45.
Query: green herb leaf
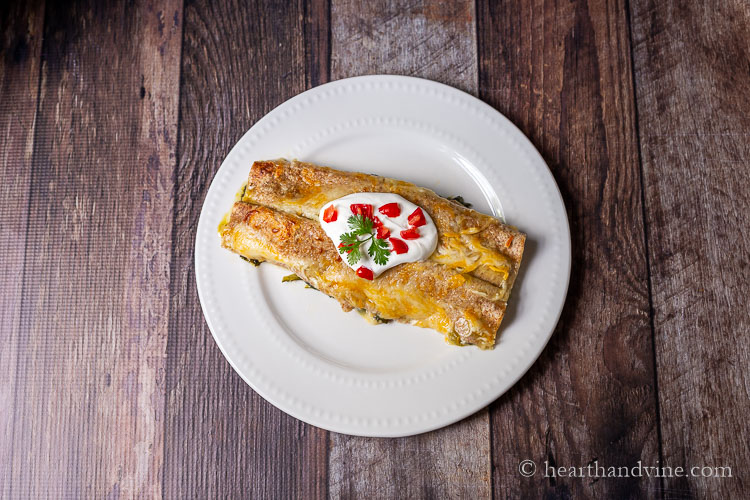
x: 254, y: 262
x: 351, y: 243
x: 290, y: 277
x: 378, y: 319
x: 354, y: 256
x: 460, y: 200
x: 360, y: 224
x: 379, y: 251
x: 348, y: 239
x: 350, y: 246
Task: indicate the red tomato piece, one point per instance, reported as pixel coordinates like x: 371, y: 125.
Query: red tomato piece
x: 410, y: 234
x: 365, y: 273
x: 330, y: 214
x: 382, y: 232
x: 398, y: 246
x: 390, y: 209
x: 363, y: 209
x: 416, y: 218
x: 376, y: 222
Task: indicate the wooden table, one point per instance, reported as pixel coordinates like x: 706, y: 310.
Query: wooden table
x: 115, y: 116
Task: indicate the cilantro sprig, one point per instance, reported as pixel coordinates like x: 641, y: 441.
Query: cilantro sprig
x: 351, y: 242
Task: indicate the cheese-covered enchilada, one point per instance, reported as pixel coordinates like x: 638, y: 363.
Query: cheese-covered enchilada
x: 465, y: 309
x: 391, y: 249
x: 469, y: 241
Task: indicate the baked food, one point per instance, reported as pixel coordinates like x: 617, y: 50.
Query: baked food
x: 469, y: 241
x: 460, y: 289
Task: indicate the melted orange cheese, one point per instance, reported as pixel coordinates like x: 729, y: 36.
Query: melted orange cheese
x: 453, y: 253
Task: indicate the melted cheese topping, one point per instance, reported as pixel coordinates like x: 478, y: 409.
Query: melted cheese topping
x: 405, y: 303
x: 453, y: 253
x: 237, y: 197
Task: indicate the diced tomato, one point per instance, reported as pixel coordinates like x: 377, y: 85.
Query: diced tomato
x: 416, y: 218
x: 399, y: 246
x: 382, y: 232
x: 363, y: 209
x: 376, y: 221
x: 365, y: 273
x: 330, y: 214
x: 342, y: 244
x: 390, y: 209
x: 410, y: 234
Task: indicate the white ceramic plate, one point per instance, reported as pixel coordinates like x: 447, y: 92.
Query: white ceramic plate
x: 332, y: 369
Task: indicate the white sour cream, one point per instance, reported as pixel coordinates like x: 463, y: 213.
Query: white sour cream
x: 419, y: 249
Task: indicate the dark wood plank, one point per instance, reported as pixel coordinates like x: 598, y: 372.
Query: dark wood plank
x: 224, y: 441
x: 20, y: 54
x: 692, y: 70
x: 90, y: 372
x: 317, y: 14
x: 425, y: 38
x: 562, y: 72
x: 432, y: 40
x: 453, y: 462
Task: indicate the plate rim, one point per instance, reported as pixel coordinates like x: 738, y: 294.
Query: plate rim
x: 480, y: 402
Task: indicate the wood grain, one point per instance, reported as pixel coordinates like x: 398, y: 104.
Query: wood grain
x: 20, y: 50
x: 239, y: 61
x: 112, y: 385
x: 561, y: 72
x: 431, y: 40
x: 317, y: 38
x: 428, y: 39
x: 692, y: 73
x: 89, y: 379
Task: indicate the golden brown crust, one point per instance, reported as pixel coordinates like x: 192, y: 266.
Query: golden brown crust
x: 467, y: 310
x: 468, y: 240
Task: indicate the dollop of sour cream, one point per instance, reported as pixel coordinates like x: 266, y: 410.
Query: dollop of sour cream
x: 408, y: 229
